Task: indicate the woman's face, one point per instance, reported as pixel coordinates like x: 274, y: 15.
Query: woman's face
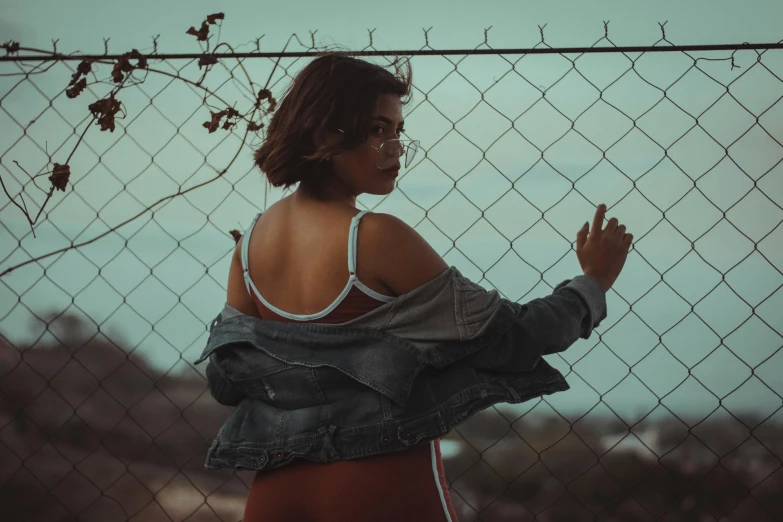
x: 360, y: 169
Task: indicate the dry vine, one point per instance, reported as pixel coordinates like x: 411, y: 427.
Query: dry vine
x: 105, y: 111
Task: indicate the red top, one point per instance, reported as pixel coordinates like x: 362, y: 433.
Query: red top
x: 404, y: 485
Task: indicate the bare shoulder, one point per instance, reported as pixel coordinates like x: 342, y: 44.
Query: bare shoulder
x: 403, y: 260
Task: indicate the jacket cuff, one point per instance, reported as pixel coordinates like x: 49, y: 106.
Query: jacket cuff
x: 594, y: 297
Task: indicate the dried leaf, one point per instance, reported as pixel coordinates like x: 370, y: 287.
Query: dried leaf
x: 76, y: 84
x: 11, y: 47
x: 84, y: 67
x: 105, y: 110
x: 81, y: 70
x: 211, y: 19
x: 236, y: 235
x: 116, y: 75
x: 142, y: 60
x: 60, y: 176
x: 76, y: 89
x: 213, y: 124
x: 264, y: 94
x: 202, y: 34
x: 123, y: 65
x: 253, y: 126
x: 207, y: 59
x: 272, y: 105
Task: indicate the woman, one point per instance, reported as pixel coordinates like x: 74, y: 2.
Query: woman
x: 314, y: 257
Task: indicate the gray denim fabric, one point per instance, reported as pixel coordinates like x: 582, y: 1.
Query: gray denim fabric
x: 405, y: 373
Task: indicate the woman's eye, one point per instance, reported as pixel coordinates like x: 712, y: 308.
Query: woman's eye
x: 382, y: 130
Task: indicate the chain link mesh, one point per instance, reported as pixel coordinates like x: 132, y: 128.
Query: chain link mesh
x: 104, y: 417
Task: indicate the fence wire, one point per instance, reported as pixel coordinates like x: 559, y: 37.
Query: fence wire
x: 104, y: 306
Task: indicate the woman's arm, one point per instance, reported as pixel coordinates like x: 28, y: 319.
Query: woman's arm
x: 238, y: 297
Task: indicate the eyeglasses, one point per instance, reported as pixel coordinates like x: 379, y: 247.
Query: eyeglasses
x: 390, y: 150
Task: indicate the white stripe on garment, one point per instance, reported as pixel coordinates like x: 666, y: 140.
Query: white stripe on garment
x: 437, y: 481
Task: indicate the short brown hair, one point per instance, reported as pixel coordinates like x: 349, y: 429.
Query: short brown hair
x: 333, y: 91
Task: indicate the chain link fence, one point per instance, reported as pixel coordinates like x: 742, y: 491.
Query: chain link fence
x: 108, y: 287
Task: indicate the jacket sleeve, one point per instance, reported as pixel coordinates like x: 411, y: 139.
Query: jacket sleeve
x: 545, y: 325
x: 221, y: 388
x: 592, y: 310
x: 555, y: 322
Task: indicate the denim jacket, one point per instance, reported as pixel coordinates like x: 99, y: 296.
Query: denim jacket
x: 404, y: 373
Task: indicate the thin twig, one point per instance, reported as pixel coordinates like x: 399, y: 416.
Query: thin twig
x: 252, y: 115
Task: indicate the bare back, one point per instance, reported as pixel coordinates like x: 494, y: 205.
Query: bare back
x: 298, y: 256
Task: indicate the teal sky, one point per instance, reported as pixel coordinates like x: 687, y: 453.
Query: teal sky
x: 81, y: 24
x: 451, y: 153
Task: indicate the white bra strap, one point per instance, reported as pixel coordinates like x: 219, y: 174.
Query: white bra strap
x: 352, y: 240
x: 245, y: 242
